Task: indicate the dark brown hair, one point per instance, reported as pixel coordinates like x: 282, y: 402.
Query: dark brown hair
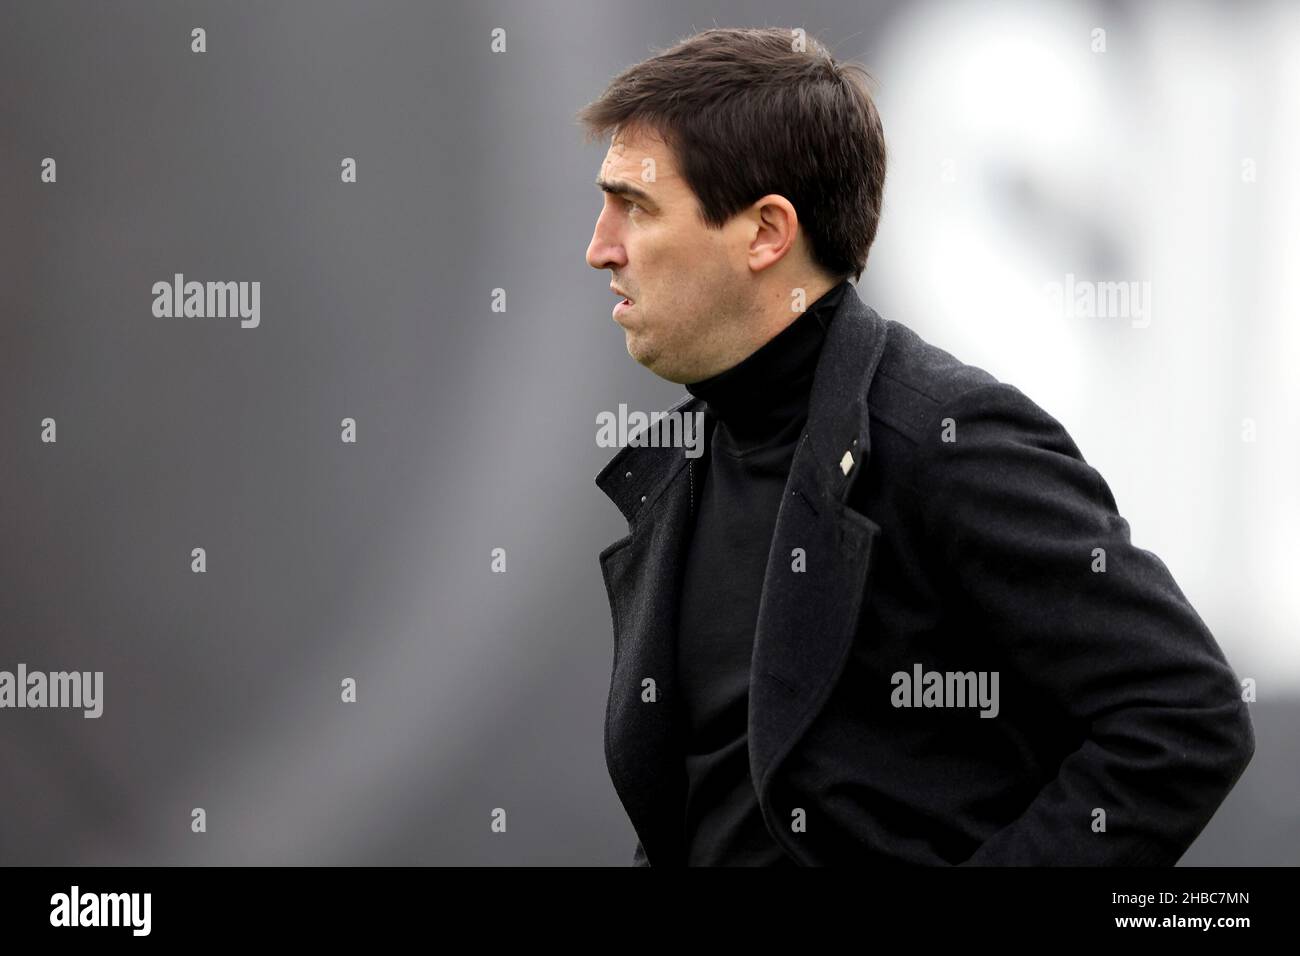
x: 746, y: 113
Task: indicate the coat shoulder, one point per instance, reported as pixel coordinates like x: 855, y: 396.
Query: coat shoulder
x: 915, y: 379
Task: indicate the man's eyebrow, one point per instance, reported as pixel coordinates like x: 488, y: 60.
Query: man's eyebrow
x: 620, y: 188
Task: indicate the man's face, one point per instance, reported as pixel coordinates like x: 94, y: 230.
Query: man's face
x: 686, y: 281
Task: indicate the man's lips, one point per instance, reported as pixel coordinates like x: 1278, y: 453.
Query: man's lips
x: 623, y: 306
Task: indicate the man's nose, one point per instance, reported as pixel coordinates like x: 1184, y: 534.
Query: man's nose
x: 605, y: 252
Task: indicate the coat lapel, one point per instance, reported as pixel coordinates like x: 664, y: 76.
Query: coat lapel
x: 642, y: 572
x: 807, y: 620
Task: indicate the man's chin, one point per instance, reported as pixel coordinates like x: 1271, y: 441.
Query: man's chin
x: 640, y: 352
x: 651, y: 358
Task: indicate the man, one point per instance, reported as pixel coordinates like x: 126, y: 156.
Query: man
x: 892, y: 615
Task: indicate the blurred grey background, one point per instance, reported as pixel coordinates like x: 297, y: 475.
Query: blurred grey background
x: 1019, y: 154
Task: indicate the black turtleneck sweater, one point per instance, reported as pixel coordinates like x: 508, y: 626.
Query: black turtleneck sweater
x: 755, y: 412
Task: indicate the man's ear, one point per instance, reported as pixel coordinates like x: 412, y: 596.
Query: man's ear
x: 776, y: 230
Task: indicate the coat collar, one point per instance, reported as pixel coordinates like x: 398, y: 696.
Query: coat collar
x: 837, y: 419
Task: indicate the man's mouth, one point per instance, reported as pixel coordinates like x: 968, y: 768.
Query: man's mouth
x: 623, y: 306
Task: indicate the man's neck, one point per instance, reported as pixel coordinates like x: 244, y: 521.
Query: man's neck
x: 762, y: 393
x: 777, y: 309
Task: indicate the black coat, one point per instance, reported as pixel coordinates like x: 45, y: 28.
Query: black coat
x: 947, y: 522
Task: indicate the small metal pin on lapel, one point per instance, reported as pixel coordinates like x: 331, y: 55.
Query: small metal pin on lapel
x: 846, y: 463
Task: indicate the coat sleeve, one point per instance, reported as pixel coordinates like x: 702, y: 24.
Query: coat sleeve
x: 638, y: 856
x: 1019, y: 524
